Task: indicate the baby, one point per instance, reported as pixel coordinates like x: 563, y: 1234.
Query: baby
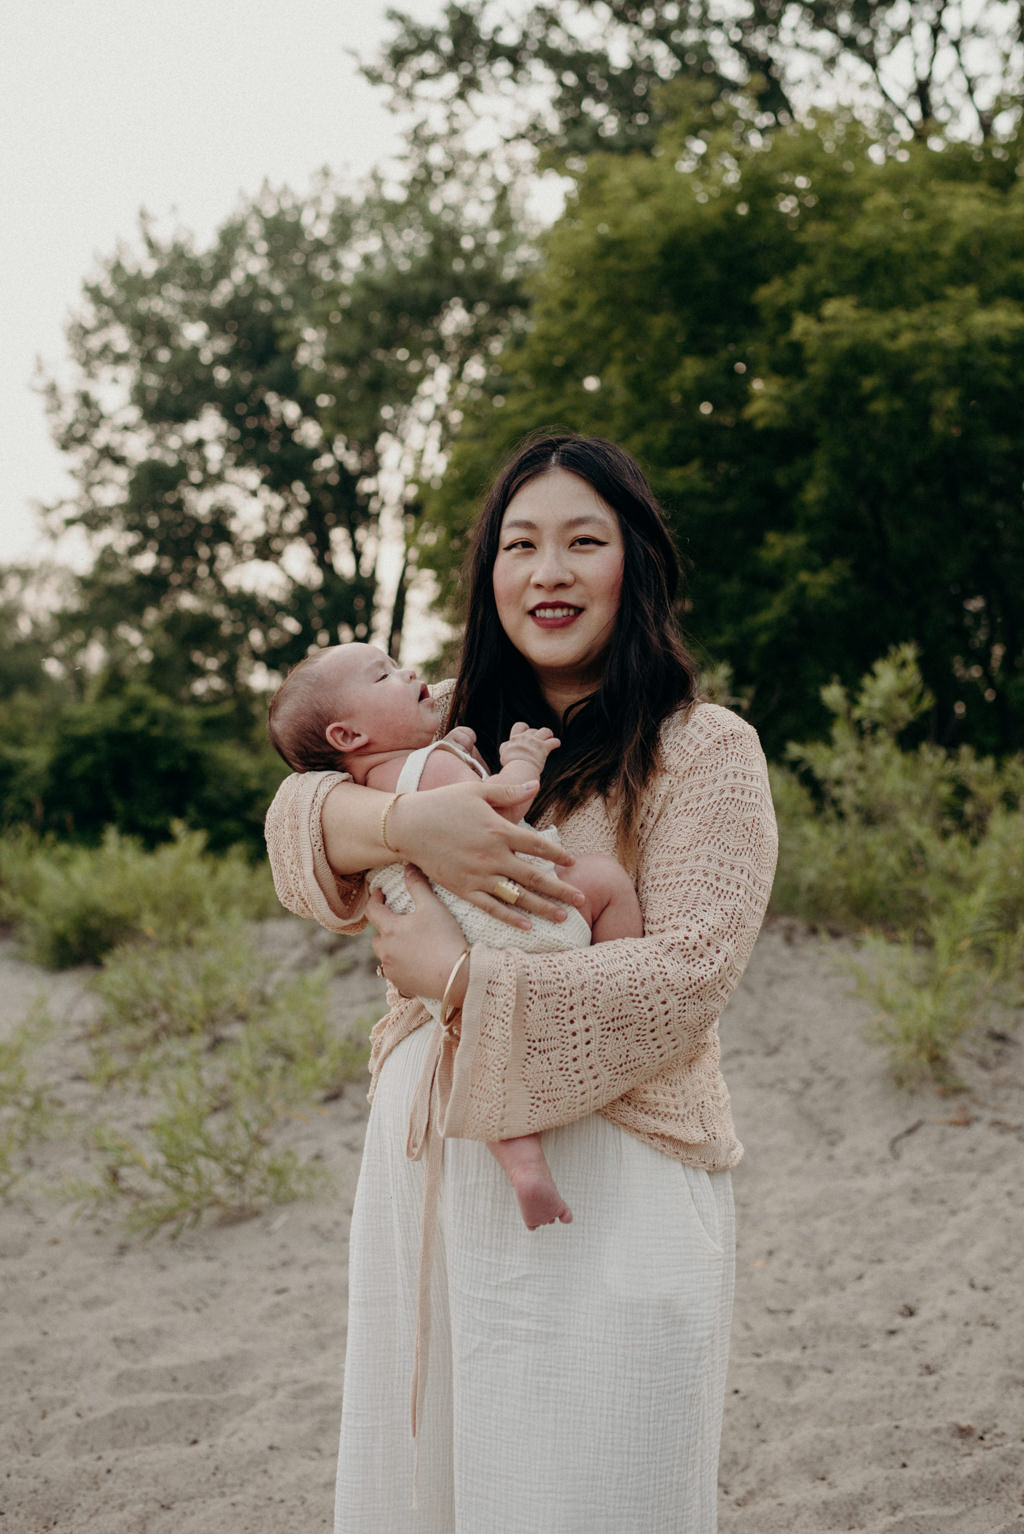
x: 350, y: 708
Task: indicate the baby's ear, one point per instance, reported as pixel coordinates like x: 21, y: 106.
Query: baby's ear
x: 343, y: 738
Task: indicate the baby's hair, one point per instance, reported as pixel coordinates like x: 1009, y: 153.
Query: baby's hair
x: 300, y: 712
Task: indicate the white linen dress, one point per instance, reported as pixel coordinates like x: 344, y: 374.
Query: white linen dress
x: 577, y: 1372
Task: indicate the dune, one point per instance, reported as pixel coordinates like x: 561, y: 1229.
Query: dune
x: 192, y: 1385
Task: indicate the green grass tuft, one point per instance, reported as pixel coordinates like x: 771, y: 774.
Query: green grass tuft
x: 27, y: 1109
x: 209, y: 1149
x: 234, y: 1046
x: 204, y: 1046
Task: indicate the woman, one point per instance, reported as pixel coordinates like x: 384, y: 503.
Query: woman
x: 576, y: 1376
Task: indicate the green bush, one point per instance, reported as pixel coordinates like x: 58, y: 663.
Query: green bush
x: 927, y: 846
x: 19, y: 853
x: 153, y: 991
x: 130, y: 757
x: 875, y: 835
x: 931, y: 994
x: 73, y: 905
x: 194, y: 1014
x: 842, y: 874
x: 137, y: 760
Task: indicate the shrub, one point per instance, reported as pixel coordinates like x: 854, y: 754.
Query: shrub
x: 931, y: 994
x: 925, y: 844
x: 874, y: 835
x: 226, y: 997
x: 140, y: 761
x: 19, y: 853
x: 76, y: 904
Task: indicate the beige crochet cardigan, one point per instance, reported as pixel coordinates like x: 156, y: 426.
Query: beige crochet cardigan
x: 629, y: 1028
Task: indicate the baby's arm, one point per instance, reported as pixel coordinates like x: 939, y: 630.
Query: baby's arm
x: 614, y: 907
x: 522, y: 760
x: 522, y: 757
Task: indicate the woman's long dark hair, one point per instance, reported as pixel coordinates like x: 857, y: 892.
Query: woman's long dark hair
x: 610, y: 739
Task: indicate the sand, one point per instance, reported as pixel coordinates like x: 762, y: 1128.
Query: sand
x: 192, y: 1386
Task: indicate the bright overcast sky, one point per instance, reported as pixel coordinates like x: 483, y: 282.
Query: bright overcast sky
x: 178, y: 106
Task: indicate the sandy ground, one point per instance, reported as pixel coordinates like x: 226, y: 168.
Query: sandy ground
x: 877, y: 1377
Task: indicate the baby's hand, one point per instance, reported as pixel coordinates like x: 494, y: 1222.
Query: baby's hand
x: 528, y: 745
x: 461, y: 736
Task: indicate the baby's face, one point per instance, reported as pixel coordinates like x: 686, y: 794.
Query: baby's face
x: 374, y: 696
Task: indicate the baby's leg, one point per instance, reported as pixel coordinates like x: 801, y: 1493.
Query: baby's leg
x: 527, y: 1169
x: 613, y: 909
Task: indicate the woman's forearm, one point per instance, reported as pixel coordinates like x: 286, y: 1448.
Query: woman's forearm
x: 351, y: 820
x: 457, y: 836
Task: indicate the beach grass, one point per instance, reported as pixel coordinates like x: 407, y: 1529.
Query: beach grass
x: 202, y: 1049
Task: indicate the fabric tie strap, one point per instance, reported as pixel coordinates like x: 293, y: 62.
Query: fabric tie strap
x: 425, y: 1143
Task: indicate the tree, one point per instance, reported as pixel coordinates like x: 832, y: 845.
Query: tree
x: 28, y: 596
x: 587, y: 75
x: 817, y: 357
x: 32, y: 690
x: 235, y: 423
x: 80, y: 752
x: 144, y: 763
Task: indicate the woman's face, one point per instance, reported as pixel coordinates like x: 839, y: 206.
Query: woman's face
x: 558, y: 581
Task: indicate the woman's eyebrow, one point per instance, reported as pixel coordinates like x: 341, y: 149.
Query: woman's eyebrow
x: 580, y: 521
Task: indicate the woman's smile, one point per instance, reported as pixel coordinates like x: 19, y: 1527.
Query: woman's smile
x: 554, y: 617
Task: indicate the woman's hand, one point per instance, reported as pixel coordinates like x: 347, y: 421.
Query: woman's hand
x: 455, y: 836
x: 417, y: 951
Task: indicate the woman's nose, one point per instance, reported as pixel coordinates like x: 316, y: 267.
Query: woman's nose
x: 551, y: 570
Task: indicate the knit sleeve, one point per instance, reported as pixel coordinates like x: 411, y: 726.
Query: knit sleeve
x: 304, y: 880
x: 548, y: 1039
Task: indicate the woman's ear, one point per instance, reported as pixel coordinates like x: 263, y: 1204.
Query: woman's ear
x: 343, y: 738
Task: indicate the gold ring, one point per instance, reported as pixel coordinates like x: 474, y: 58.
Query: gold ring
x: 507, y: 890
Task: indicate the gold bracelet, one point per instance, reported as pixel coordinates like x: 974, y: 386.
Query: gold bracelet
x: 384, y: 824
x: 447, y: 1012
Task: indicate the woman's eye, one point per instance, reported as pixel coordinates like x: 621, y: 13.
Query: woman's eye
x: 520, y: 543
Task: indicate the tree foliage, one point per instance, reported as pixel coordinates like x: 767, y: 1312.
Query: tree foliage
x: 248, y: 415
x: 816, y: 355
x: 586, y: 75
x: 809, y: 333
x: 32, y: 692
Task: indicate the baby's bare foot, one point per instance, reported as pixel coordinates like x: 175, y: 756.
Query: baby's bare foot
x: 539, y: 1199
